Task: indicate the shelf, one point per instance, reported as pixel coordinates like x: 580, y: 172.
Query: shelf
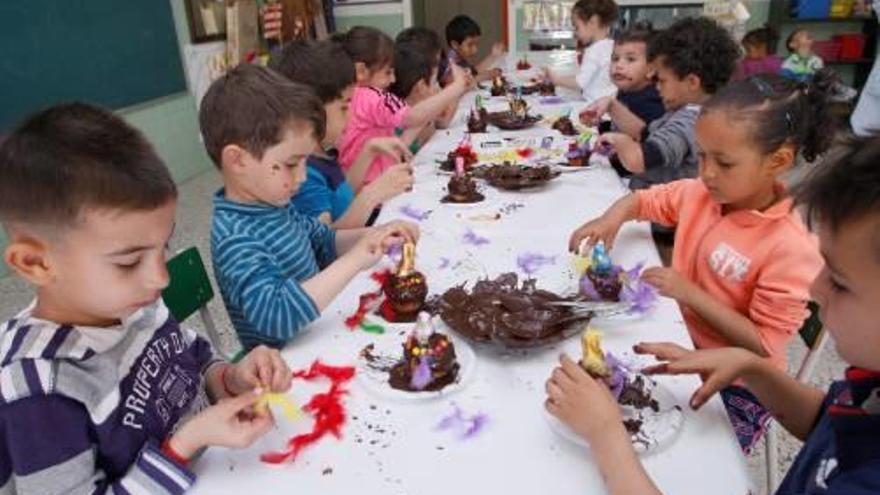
x: 827, y: 20
x: 857, y: 61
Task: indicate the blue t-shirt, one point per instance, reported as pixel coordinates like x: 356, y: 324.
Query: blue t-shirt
x: 325, y: 188
x: 645, y: 103
x: 842, y: 454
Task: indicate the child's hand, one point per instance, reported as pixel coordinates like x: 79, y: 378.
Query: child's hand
x: 261, y: 368
x: 229, y: 423
x: 594, y: 111
x: 369, y: 248
x: 602, y: 229
x: 396, y: 180
x: 400, y: 230
x: 498, y: 50
x: 581, y: 402
x: 669, y: 283
x: 718, y: 367
x: 391, y: 146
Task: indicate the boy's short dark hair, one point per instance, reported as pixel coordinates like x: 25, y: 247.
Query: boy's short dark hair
x: 75, y: 156
x: 846, y: 185
x: 251, y: 106
x: 766, y: 36
x: 323, y: 66
x: 426, y: 39
x: 411, y: 65
x: 699, y: 46
x: 605, y: 10
x: 460, y: 28
x: 634, y: 36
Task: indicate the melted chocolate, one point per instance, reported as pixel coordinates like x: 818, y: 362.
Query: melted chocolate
x: 508, y: 121
x: 636, y: 394
x: 512, y: 177
x: 478, y: 122
x: 504, y: 312
x: 608, y: 286
x: 406, y: 295
x: 565, y: 126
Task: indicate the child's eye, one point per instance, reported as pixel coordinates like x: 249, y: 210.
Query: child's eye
x: 837, y: 286
x: 725, y: 165
x: 128, y: 265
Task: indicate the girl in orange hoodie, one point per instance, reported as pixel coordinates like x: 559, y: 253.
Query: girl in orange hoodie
x: 743, y: 259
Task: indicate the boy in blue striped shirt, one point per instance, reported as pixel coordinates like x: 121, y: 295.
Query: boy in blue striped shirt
x: 101, y: 391
x: 277, y: 269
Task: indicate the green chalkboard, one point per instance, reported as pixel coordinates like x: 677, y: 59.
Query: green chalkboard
x: 114, y: 53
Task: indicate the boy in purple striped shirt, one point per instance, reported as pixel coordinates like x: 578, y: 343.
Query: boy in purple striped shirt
x: 100, y: 390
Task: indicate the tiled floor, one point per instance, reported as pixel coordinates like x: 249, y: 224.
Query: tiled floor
x: 193, y: 229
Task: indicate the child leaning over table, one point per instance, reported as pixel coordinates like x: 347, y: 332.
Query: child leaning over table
x: 743, y: 259
x: 277, y: 268
x: 841, y: 429
x: 102, y: 391
x: 326, y: 194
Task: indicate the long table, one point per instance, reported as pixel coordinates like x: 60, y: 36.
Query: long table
x: 393, y: 446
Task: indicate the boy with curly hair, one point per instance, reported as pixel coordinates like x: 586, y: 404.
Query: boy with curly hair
x: 692, y: 59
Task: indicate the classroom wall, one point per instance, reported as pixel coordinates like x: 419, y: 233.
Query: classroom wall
x: 170, y: 123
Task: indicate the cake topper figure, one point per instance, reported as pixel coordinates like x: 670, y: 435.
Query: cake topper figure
x: 600, y: 262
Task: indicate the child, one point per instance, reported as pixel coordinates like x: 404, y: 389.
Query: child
x: 326, y: 194
x: 637, y: 103
x: 102, y: 391
x: 840, y: 429
x: 426, y: 38
x: 415, y: 76
x: 593, y: 20
x: 802, y: 63
x: 743, y: 260
x: 692, y: 59
x: 463, y: 40
x: 377, y: 113
x: 761, y: 58
x: 277, y: 269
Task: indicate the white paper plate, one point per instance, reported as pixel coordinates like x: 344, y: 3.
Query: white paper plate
x: 390, y: 345
x: 658, y: 429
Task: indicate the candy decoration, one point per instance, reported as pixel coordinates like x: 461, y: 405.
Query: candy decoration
x: 288, y: 407
x: 600, y: 262
x: 327, y: 409
x: 593, y: 359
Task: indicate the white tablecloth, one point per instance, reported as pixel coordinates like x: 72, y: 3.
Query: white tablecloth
x: 394, y: 447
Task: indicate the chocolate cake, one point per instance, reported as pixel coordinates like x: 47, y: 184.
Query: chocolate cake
x: 523, y: 64
x: 565, y: 126
x: 603, y: 275
x: 478, y: 121
x: 578, y: 156
x: 405, y: 291
x: 428, y: 362
x: 462, y: 189
x: 514, y: 177
x: 546, y: 88
x: 505, y: 312
x: 499, y: 86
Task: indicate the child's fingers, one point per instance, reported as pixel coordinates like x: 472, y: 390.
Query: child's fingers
x: 554, y: 391
x: 237, y: 404
x: 706, y: 391
x: 662, y: 351
x: 561, y: 379
x: 281, y: 377
x: 572, y: 370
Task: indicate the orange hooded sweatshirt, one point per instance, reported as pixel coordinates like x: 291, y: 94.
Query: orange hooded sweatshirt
x: 760, y: 263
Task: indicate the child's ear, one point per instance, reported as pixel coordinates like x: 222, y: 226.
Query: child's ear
x: 694, y: 83
x: 233, y: 157
x: 455, y: 45
x: 27, y: 255
x: 782, y: 159
x: 361, y: 72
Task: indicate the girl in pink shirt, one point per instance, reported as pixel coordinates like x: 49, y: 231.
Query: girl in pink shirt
x: 743, y: 259
x: 374, y: 111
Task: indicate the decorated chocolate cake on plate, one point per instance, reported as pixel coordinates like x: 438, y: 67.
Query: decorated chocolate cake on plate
x: 405, y: 291
x: 602, y: 275
x: 463, y: 151
x: 428, y: 362
x: 462, y: 189
x: 499, y: 86
x: 565, y: 126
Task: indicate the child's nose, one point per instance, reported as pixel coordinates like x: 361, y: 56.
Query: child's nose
x: 158, y: 277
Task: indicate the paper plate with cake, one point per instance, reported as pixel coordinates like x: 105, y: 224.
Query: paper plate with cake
x: 649, y: 411
x: 423, y: 364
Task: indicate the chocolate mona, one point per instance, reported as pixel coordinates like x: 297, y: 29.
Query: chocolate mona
x: 444, y: 365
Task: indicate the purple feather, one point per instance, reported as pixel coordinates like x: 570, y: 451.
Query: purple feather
x: 414, y: 213
x: 618, y: 375
x: 641, y: 295
x: 421, y: 376
x: 530, y: 262
x: 395, y: 251
x: 552, y: 100
x: 588, y: 289
x: 444, y: 263
x: 471, y: 237
x: 465, y: 427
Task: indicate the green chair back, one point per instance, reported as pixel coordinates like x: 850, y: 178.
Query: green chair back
x: 190, y: 288
x: 812, y: 328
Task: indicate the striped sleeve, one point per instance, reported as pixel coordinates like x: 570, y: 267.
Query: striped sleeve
x: 275, y: 306
x: 65, y: 461
x: 668, y: 144
x: 323, y: 239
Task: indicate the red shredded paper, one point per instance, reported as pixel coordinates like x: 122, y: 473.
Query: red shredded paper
x: 368, y: 301
x: 327, y: 408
